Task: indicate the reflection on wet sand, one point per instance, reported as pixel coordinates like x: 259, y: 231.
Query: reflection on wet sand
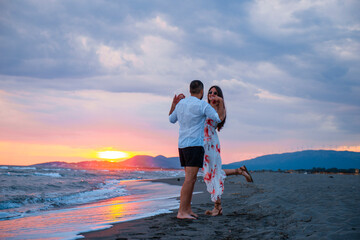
x: 145, y: 199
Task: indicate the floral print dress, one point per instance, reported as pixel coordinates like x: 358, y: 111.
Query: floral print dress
x: 213, y: 174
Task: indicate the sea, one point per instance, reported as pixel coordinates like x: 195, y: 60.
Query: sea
x: 60, y: 203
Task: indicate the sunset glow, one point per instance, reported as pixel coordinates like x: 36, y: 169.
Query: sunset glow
x: 113, y: 155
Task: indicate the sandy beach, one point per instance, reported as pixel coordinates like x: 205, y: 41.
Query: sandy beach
x: 275, y: 206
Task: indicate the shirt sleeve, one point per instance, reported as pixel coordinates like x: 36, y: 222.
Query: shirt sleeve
x: 173, y: 116
x: 211, y: 113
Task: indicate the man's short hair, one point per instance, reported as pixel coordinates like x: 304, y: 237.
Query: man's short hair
x: 196, y: 86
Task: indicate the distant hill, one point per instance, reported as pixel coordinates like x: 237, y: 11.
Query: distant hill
x: 140, y: 161
x: 152, y: 162
x: 285, y: 161
x: 302, y: 160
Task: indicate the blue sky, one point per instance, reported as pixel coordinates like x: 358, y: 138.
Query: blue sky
x: 94, y: 74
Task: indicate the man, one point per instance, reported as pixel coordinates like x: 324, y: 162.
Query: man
x: 191, y: 113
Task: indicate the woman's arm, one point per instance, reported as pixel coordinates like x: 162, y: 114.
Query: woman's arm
x: 218, y: 104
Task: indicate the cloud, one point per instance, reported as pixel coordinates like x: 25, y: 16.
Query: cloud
x: 112, y: 59
x: 86, y: 118
x: 255, y: 111
x: 278, y: 18
x: 342, y: 50
x: 220, y: 36
x: 158, y: 25
x: 71, y: 71
x: 262, y: 76
x: 12, y: 113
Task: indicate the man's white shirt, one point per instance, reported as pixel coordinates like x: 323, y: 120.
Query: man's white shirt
x: 191, y: 113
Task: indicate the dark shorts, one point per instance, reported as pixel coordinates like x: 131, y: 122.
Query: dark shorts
x: 191, y: 156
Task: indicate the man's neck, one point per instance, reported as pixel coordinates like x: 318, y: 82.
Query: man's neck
x: 197, y: 95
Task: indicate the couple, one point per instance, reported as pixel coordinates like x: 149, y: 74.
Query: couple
x: 199, y: 145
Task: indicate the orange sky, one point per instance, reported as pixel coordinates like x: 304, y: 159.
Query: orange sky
x: 74, y: 126
x: 15, y: 153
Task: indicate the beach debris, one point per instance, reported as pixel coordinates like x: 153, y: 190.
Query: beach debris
x: 308, y: 219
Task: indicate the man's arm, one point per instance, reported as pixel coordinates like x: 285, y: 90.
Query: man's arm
x: 176, y: 100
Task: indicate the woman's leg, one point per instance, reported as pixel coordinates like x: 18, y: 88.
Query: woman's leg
x: 239, y: 171
x: 229, y: 172
x: 217, y: 209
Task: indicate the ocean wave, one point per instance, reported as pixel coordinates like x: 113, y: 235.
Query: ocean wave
x: 57, y: 175
x: 22, y: 200
x: 9, y: 215
x: 9, y: 205
x: 4, y: 167
x: 24, y: 168
x: 28, y: 190
x: 171, y: 174
x: 23, y: 204
x: 109, y: 189
x: 54, y: 169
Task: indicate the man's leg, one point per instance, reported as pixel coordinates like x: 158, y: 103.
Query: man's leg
x: 186, y: 193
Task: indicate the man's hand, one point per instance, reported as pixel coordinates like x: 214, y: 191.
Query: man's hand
x: 176, y: 100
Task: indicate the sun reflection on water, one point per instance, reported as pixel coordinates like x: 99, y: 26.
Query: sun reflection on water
x: 148, y: 199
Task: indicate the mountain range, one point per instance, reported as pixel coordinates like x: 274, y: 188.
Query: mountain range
x: 285, y: 161
x: 302, y: 160
x: 139, y: 161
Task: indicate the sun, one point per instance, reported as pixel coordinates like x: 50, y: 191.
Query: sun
x: 112, y: 155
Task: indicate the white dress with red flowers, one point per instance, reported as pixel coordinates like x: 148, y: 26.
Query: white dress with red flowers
x: 213, y: 174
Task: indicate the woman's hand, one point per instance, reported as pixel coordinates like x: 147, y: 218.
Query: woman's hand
x: 215, y: 101
x: 218, y: 104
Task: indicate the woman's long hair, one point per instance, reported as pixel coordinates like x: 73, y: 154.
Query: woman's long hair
x: 220, y: 94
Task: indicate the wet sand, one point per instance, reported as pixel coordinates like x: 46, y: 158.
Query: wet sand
x: 275, y: 206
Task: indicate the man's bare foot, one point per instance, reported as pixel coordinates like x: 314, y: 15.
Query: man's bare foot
x: 184, y: 216
x: 194, y: 214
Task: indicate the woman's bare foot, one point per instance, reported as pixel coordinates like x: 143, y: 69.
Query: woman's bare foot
x: 184, y: 216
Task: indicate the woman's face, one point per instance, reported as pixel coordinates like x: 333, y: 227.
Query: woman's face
x: 212, y: 93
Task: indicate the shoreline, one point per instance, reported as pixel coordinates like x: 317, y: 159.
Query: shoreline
x: 200, y: 194
x: 275, y: 206
x: 146, y: 199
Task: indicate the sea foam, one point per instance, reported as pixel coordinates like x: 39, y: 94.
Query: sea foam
x: 48, y: 174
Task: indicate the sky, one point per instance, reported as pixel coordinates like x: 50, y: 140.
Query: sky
x: 78, y: 77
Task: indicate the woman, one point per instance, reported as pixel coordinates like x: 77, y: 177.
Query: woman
x: 213, y: 174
